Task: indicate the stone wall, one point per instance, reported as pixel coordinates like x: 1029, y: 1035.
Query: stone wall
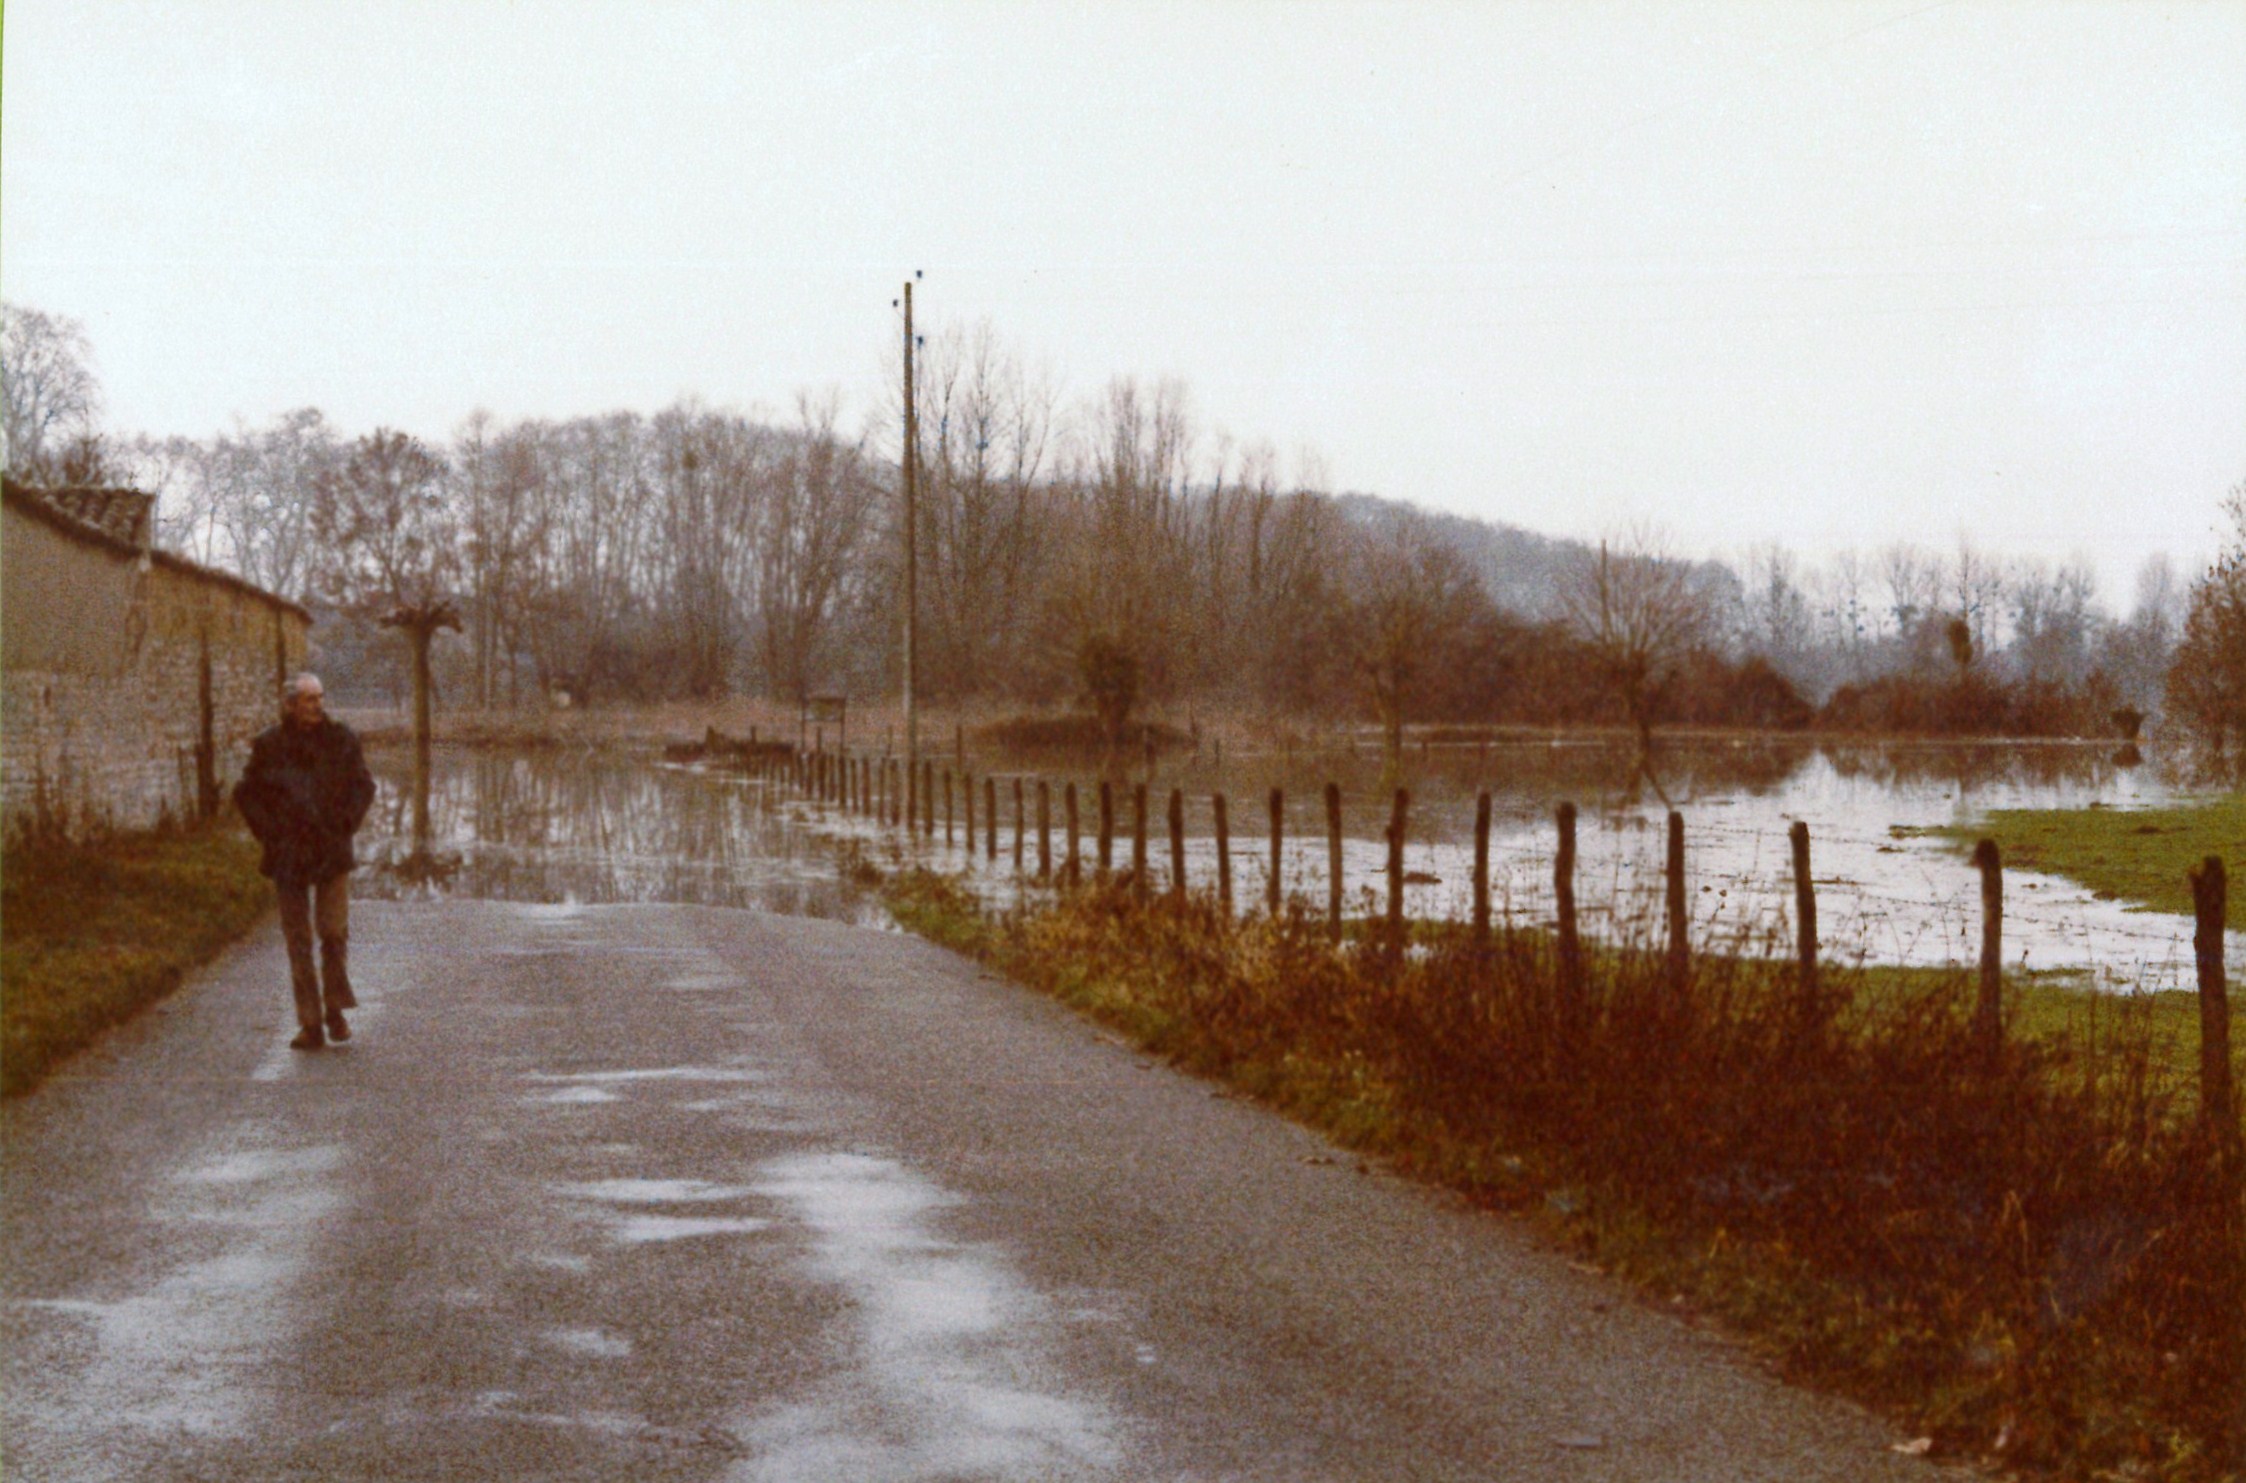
x: 131, y: 683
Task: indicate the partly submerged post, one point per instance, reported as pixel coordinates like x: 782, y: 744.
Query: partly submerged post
x: 1481, y: 872
x: 1805, y: 919
x: 1138, y: 838
x: 1278, y: 842
x: 1988, y: 1014
x: 1107, y: 828
x: 1019, y: 829
x: 1679, y: 920
x: 1333, y: 861
x: 990, y: 817
x: 1563, y: 896
x: 1224, y: 854
x: 1177, y: 843
x: 967, y: 788
x: 1044, y: 830
x: 1075, y: 869
x: 2218, y: 1105
x: 1396, y: 873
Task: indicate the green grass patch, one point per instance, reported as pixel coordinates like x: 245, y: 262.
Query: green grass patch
x: 2153, y: 1035
x: 91, y: 934
x: 2141, y: 856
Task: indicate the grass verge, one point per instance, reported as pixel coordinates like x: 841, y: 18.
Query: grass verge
x: 91, y: 934
x: 2030, y: 1263
x: 2142, y: 856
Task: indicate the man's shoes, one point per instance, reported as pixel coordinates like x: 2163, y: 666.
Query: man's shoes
x: 338, y: 1031
x: 308, y: 1038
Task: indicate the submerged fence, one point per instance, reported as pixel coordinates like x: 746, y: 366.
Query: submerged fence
x: 885, y: 790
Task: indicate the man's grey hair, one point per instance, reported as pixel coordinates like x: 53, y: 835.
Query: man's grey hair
x: 304, y: 683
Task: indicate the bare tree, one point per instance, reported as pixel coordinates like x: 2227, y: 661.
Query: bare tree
x: 1404, y: 606
x: 813, y: 520
x: 987, y: 427
x: 1913, y: 577
x: 1641, y: 611
x: 389, y: 550
x: 51, y: 394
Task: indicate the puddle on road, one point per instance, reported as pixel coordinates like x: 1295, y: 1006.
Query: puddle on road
x: 636, y: 1226
x: 942, y: 1373
x: 654, y: 1191
x: 652, y: 1073
x: 179, y: 1357
x: 596, y: 1343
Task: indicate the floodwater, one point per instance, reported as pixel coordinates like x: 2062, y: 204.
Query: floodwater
x: 580, y: 826
x: 615, y: 826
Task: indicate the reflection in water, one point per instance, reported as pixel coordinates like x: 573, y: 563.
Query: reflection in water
x: 585, y: 826
x: 553, y: 825
x: 1887, y: 894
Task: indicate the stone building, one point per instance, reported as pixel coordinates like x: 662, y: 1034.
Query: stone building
x: 131, y: 679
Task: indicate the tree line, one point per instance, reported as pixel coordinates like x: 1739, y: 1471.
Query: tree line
x: 1112, y: 551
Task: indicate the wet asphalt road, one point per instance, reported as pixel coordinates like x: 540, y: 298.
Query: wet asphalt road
x: 667, y: 1192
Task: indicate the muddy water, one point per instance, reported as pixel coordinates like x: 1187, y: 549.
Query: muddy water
x: 608, y: 826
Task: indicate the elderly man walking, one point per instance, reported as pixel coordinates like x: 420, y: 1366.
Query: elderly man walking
x: 304, y: 794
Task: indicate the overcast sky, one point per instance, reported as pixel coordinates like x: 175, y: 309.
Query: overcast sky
x: 1832, y: 274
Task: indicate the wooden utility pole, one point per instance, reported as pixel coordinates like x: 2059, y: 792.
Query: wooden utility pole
x: 911, y: 463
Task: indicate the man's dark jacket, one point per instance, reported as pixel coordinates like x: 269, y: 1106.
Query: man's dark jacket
x: 304, y: 794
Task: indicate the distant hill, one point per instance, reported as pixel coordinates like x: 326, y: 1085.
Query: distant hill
x: 1520, y: 568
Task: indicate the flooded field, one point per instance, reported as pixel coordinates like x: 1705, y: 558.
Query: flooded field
x: 556, y: 824
x: 573, y: 825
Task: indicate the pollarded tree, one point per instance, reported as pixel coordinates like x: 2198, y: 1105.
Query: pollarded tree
x: 2206, y: 691
x: 388, y: 543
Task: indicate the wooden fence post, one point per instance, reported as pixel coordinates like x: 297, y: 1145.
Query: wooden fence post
x: 1396, y: 873
x: 1563, y: 895
x: 1988, y: 1014
x: 1679, y: 920
x: 967, y: 788
x: 1278, y: 843
x: 990, y: 817
x: 1107, y: 828
x: 1044, y: 830
x: 1019, y: 826
x: 2218, y: 1105
x: 1805, y: 919
x: 1138, y: 839
x: 947, y: 808
x: 1333, y: 861
x: 909, y: 796
x: 1075, y: 872
x: 1177, y: 843
x: 1482, y: 873
x: 1224, y: 852
x: 928, y: 800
